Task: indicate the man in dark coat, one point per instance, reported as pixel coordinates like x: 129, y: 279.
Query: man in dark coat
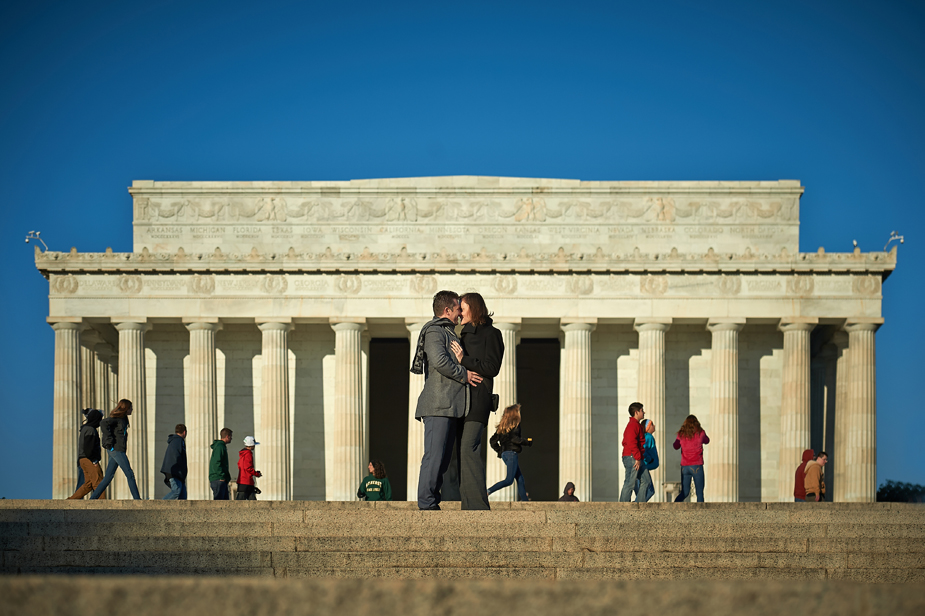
x: 568, y: 494
x: 89, y: 454
x: 174, y: 466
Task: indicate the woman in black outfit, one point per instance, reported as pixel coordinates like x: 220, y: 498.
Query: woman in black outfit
x: 481, y: 352
x: 508, y: 442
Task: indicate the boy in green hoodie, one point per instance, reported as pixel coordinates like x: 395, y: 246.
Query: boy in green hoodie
x: 218, y: 466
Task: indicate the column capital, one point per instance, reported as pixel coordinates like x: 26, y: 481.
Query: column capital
x: 69, y: 324
x: 578, y: 324
x: 649, y: 324
x: 863, y: 324
x: 509, y: 325
x: 89, y: 337
x: 275, y: 325
x: 205, y: 324
x: 798, y: 324
x: 346, y: 324
x: 131, y: 324
x: 726, y: 324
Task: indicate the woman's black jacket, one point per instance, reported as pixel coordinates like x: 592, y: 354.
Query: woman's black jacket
x: 483, y: 350
x: 510, y: 441
x: 115, y: 433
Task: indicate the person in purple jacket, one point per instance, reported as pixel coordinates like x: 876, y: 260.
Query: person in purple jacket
x: 690, y: 440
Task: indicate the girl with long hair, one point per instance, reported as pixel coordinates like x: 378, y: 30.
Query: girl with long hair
x: 115, y: 440
x: 375, y: 486
x: 690, y: 440
x: 508, y: 442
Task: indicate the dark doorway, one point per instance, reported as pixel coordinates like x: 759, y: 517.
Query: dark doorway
x: 388, y: 409
x: 538, y: 395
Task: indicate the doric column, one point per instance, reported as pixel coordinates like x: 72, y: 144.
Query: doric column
x: 103, y: 357
x: 88, y: 340
x: 817, y: 402
x: 202, y: 412
x: 575, y: 414
x: 66, y: 406
x: 861, y: 470
x: 415, y: 427
x: 650, y: 390
x: 132, y: 387
x: 505, y: 385
x: 273, y: 458
x: 795, y: 401
x: 839, y: 445
x: 349, y: 410
x: 722, y: 463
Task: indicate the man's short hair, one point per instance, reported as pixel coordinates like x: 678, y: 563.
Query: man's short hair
x: 635, y: 406
x: 444, y: 300
x: 225, y: 432
x: 180, y: 429
x: 820, y: 454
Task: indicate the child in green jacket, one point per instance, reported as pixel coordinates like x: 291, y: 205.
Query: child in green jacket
x: 375, y: 486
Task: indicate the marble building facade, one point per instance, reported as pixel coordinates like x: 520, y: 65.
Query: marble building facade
x: 253, y: 305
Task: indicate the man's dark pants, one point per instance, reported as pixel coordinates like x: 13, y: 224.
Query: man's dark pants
x: 439, y: 436
x: 219, y: 490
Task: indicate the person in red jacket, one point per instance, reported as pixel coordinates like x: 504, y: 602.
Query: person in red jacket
x: 246, y: 473
x: 634, y: 448
x: 799, y: 489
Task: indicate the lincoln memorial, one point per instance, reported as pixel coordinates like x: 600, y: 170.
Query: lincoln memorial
x: 289, y: 311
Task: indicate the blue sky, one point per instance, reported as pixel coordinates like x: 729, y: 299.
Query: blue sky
x: 97, y: 94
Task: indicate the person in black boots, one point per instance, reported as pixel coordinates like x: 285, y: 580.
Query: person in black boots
x: 508, y: 442
x: 481, y: 352
x: 89, y: 454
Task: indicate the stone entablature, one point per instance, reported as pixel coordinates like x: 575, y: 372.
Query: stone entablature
x: 458, y: 213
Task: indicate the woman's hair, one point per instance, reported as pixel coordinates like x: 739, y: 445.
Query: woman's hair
x: 477, y: 308
x: 121, y: 409
x: 378, y: 469
x: 690, y: 428
x: 510, y: 419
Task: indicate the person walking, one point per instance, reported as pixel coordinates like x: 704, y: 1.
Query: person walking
x: 634, y: 447
x: 114, y: 439
x: 375, y: 486
x: 89, y: 454
x: 799, y: 478
x: 174, y: 466
x: 247, y: 490
x: 445, y: 397
x: 481, y: 352
x: 508, y: 442
x: 219, y: 475
x: 814, y: 482
x: 690, y: 440
x: 650, y: 457
x: 568, y: 494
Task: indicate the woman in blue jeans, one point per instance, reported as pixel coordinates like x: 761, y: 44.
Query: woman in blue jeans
x: 115, y: 440
x: 690, y: 440
x: 508, y: 442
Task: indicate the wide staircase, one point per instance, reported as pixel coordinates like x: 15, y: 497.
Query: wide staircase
x: 878, y: 542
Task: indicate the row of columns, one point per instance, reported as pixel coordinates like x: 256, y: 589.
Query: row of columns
x: 80, y: 374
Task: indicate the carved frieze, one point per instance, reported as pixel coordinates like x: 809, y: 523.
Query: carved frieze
x: 274, y: 285
x: 349, y: 284
x: 800, y: 285
x: 865, y: 285
x: 202, y: 285
x: 504, y: 285
x: 423, y: 284
x: 130, y: 284
x: 581, y: 285
x: 728, y: 285
x: 653, y: 285
x: 64, y: 285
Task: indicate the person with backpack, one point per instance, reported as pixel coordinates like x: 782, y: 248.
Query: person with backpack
x: 115, y: 440
x: 508, y: 442
x: 650, y: 458
x: 89, y: 454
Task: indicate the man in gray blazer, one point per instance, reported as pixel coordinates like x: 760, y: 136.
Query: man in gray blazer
x: 445, y: 397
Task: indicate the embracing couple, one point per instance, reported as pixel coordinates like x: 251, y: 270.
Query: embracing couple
x: 457, y: 397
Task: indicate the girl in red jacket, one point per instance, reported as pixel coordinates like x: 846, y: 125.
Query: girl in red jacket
x: 246, y: 473
x: 691, y: 439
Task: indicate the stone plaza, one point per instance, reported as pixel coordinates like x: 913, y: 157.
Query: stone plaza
x: 289, y: 310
